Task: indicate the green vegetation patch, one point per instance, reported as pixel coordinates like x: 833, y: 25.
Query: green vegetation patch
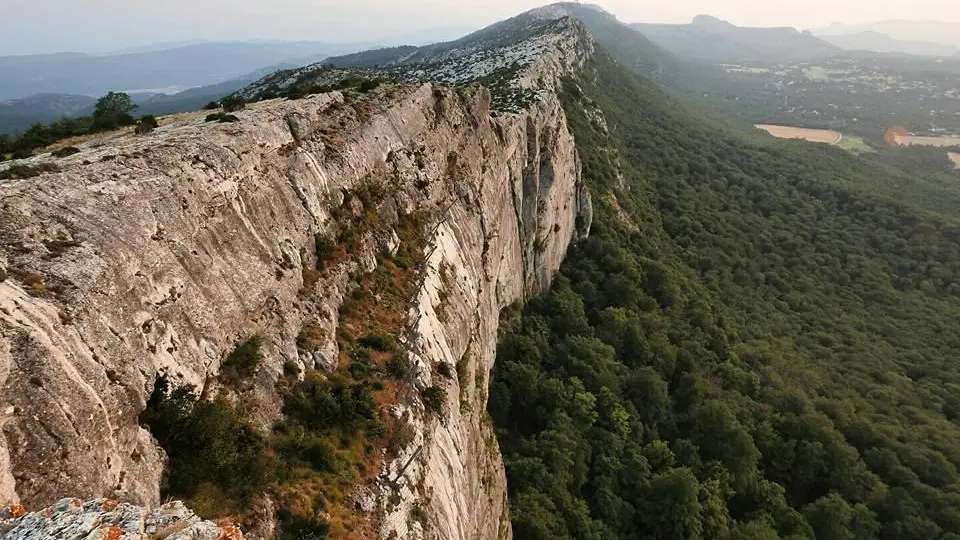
x: 217, y: 461
x: 19, y: 172
x: 768, y: 352
x: 112, y: 111
x: 243, y: 361
x: 221, y: 117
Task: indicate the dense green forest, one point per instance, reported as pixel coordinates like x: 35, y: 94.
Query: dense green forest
x: 756, y: 342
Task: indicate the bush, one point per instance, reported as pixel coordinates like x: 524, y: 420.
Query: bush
x: 294, y: 527
x: 332, y: 404
x: 209, y: 445
x: 325, y: 248
x: 379, y: 342
x: 65, y: 152
x: 112, y: 111
x: 221, y: 118
x: 146, y: 124
x: 444, y: 370
x: 300, y: 448
x: 213, y: 105
x: 243, y: 362
x: 233, y: 103
x: 368, y: 85
x: 399, y: 366
x: 433, y: 399
x: 312, y: 336
x: 360, y: 370
x: 17, y: 172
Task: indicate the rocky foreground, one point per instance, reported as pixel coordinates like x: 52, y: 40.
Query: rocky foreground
x: 107, y: 519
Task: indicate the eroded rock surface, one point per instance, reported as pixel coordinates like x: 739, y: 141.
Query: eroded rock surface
x: 106, y: 519
x: 156, y: 254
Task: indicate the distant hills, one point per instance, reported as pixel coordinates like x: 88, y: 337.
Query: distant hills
x: 19, y: 114
x: 181, y: 67
x: 873, y: 41
x: 710, y: 39
x: 943, y: 33
x: 174, y: 66
x: 163, y: 78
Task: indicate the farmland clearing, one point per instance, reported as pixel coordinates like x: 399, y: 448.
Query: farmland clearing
x: 911, y: 140
x: 813, y: 135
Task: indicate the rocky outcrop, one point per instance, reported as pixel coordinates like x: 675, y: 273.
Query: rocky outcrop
x: 156, y: 254
x: 106, y: 519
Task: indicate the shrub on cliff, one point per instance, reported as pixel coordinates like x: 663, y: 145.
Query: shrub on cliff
x: 243, y: 361
x: 233, y: 103
x: 332, y: 404
x: 65, y: 151
x: 433, y: 399
x: 146, y: 124
x: 214, y: 454
x: 294, y: 527
x: 27, y: 171
x: 221, y: 118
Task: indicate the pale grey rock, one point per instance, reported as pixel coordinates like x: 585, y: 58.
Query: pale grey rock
x: 364, y: 499
x: 190, y: 240
x: 106, y: 519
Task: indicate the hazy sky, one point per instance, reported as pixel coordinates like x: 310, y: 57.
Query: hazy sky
x: 33, y: 26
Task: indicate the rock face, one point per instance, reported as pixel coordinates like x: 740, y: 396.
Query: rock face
x: 156, y: 254
x: 105, y: 519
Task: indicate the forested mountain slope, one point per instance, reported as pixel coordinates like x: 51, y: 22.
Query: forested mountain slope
x: 757, y: 341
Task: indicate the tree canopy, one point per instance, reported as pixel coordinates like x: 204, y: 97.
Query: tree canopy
x: 113, y: 110
x: 756, y: 341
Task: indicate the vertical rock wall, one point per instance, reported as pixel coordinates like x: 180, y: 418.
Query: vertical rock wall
x: 157, y: 254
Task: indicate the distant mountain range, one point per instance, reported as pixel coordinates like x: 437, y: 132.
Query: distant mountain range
x: 176, y: 65
x: 19, y: 114
x: 44, y: 88
x: 181, y: 67
x: 711, y: 39
x: 943, y: 33
x: 870, y: 40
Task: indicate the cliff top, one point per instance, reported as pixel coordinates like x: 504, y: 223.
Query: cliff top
x: 504, y: 57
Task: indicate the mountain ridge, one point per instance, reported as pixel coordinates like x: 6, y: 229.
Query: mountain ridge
x: 946, y: 33
x: 871, y: 40
x: 711, y: 39
x: 482, y: 207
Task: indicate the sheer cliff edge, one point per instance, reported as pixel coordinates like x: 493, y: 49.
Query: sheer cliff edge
x: 154, y: 255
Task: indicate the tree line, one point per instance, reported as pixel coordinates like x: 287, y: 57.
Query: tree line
x: 112, y: 111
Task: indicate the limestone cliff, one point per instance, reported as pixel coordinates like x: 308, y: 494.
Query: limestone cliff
x: 156, y: 254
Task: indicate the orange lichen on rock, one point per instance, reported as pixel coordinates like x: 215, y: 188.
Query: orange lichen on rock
x: 230, y: 532
x: 113, y: 533
x: 17, y: 511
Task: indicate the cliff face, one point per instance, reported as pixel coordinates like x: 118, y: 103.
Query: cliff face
x: 156, y: 254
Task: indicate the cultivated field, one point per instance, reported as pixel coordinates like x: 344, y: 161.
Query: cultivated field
x: 812, y: 135
x: 908, y: 140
